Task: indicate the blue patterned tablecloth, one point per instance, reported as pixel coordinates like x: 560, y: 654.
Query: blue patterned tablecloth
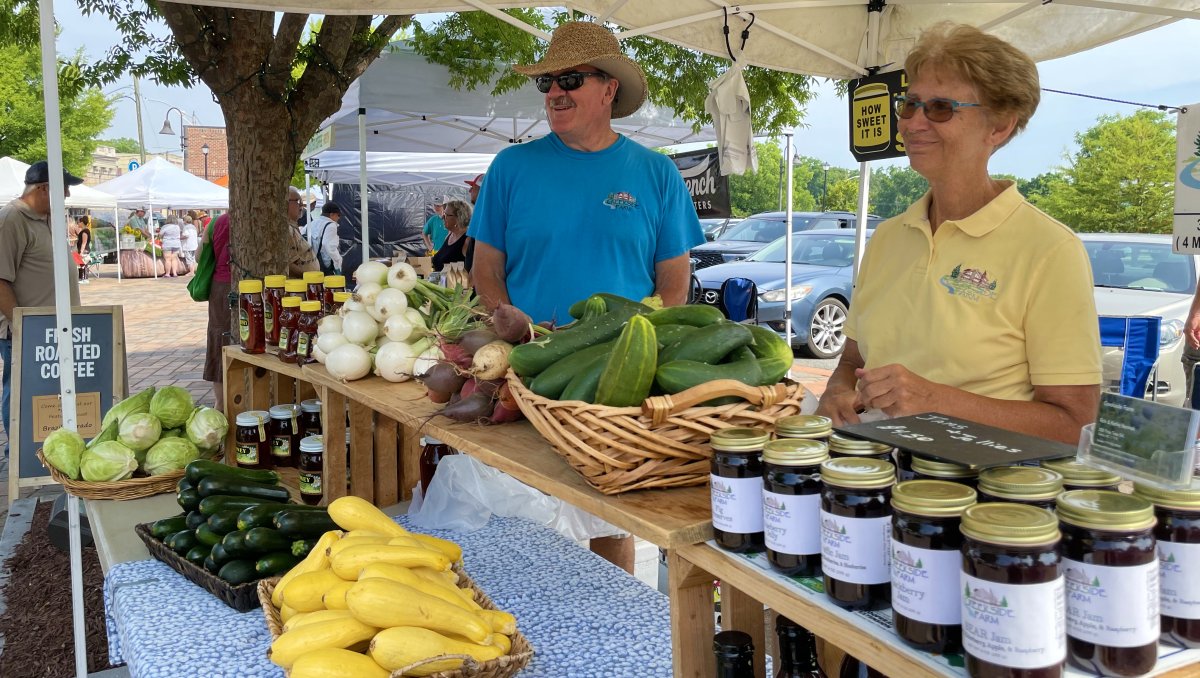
x: 583, y: 616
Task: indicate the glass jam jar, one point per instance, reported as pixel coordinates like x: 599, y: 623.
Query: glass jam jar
x: 1178, y: 535
x: 1079, y: 476
x: 312, y: 467
x: 926, y: 561
x: 306, y: 330
x: 856, y: 526
x: 272, y: 294
x: 806, y: 426
x: 294, y: 287
x: 314, y: 286
x: 930, y: 469
x: 1020, y: 484
x: 333, y: 285
x: 339, y: 298
x: 792, y: 505
x: 285, y: 435
x: 845, y: 446
x: 432, y: 452
x: 904, y: 465
x: 736, y: 484
x: 1013, y: 592
x: 289, y: 321
x: 252, y: 446
x: 310, y: 418
x: 250, y: 316
x: 1112, y: 581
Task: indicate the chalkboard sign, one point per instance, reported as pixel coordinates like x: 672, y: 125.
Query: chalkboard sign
x: 100, y: 380
x: 945, y: 438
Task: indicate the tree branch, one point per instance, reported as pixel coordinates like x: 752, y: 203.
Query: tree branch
x: 283, y: 51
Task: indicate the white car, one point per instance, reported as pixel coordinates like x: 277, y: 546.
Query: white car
x: 1139, y: 275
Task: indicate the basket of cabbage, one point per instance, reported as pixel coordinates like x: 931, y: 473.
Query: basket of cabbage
x: 144, y: 443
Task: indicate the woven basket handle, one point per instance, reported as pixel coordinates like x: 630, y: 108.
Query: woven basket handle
x: 469, y: 664
x: 660, y: 408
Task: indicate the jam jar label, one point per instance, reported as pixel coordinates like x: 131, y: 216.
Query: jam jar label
x: 302, y: 344
x: 247, y: 454
x: 855, y: 550
x: 268, y: 317
x: 1113, y: 606
x: 1177, y: 567
x: 281, y: 446
x: 243, y: 325
x: 788, y: 520
x: 925, y: 584
x: 310, y: 483
x: 1014, y: 625
x: 283, y: 337
x: 737, y: 504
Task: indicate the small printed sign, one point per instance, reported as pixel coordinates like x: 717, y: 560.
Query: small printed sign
x: 1187, y: 181
x: 1144, y: 440
x: 47, y: 415
x: 874, y: 134
x: 134, y: 164
x: 701, y: 172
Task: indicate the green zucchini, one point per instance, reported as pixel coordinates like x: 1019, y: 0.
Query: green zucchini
x: 528, y: 360
x: 203, y: 468
x: 304, y: 524
x: 696, y: 315
x: 188, y: 499
x: 198, y: 555
x: 551, y: 382
x: 708, y: 344
x: 212, y: 486
x: 219, y: 556
x: 211, y: 565
x: 224, y: 521
x: 234, y: 544
x: 275, y: 563
x: 680, y: 375
x: 238, y: 572
x: 583, y: 385
x: 184, y: 484
x: 265, y: 540
x: 302, y: 547
x: 183, y: 541
x: 775, y: 357
x: 222, y: 502
x: 206, y: 535
x: 629, y: 373
x: 263, y: 515
x: 161, y: 529
x: 669, y: 334
x: 194, y: 519
x: 612, y: 302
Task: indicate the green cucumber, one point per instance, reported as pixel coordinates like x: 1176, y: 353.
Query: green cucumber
x: 238, y: 572
x: 669, y: 334
x: 161, y: 529
x: 775, y: 357
x: 203, y: 468
x: 183, y: 541
x: 223, y: 502
x: 612, y: 302
x: 275, y: 563
x: 708, y: 344
x: 262, y: 515
x: 304, y: 524
x: 594, y: 307
x: 695, y: 315
x: 224, y: 521
x: 197, y: 555
x: 213, y: 486
x: 264, y: 540
x: 629, y: 373
x: 188, y: 499
x: 529, y: 360
x: 680, y: 375
x: 551, y: 382
x: 583, y: 386
x: 194, y: 519
x: 206, y: 535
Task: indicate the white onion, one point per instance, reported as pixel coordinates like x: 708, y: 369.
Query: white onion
x: 371, y: 272
x: 318, y: 354
x: 351, y: 305
x: 394, y: 361
x: 366, y: 294
x: 328, y: 342
x: 414, y: 318
x: 348, y: 362
x: 397, y: 328
x: 360, y: 328
x: 428, y: 358
x: 390, y: 302
x: 402, y: 276
x: 330, y: 324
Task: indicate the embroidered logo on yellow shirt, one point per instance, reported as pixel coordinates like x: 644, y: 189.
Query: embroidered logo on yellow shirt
x: 972, y: 283
x: 620, y: 200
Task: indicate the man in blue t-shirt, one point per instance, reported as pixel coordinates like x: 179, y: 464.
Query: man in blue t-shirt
x: 435, y: 231
x: 584, y: 209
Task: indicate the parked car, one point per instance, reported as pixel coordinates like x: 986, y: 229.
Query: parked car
x: 821, y: 271
x: 1139, y: 275
x: 713, y: 228
x: 755, y: 232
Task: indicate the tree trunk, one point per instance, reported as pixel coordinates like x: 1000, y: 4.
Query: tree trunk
x: 261, y: 161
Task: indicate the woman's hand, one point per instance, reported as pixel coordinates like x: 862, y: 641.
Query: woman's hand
x: 840, y: 405
x: 897, y: 391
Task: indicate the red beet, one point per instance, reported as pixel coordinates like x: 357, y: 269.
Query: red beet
x: 506, y: 397
x: 444, y: 377
x: 437, y: 396
x: 469, y: 387
x: 472, y: 408
x: 456, y: 355
x: 476, y: 339
x: 501, y: 414
x: 511, y: 323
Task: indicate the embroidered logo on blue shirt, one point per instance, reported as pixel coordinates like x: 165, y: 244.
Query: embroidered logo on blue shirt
x: 971, y: 284
x: 620, y: 200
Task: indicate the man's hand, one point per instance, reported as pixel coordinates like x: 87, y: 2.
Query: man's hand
x: 897, y: 391
x: 488, y: 274
x: 672, y: 277
x: 1192, y: 331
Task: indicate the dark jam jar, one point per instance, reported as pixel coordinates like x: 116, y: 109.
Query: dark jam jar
x: 312, y: 466
x: 432, y: 452
x: 844, y: 446
x: 1020, y: 484
x: 285, y: 435
x: 1079, y: 476
x: 339, y: 299
x: 856, y: 526
x: 272, y: 294
x: 289, y: 321
x: 734, y: 654
x: 250, y: 316
x: 792, y: 505
x: 736, y: 484
x: 1013, y: 592
x: 926, y: 562
x: 333, y: 285
x: 1112, y: 581
x: 1178, y: 535
x: 930, y: 469
x: 253, y: 447
x: 310, y: 418
x: 314, y: 286
x: 904, y: 466
x: 805, y: 426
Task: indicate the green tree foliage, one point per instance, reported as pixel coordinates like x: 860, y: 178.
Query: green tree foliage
x: 894, y: 188
x: 85, y: 112
x: 762, y: 191
x: 1121, y: 178
x: 122, y: 145
x: 843, y: 195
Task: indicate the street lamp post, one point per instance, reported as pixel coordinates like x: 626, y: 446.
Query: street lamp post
x: 825, y: 188
x: 204, y: 150
x: 166, y: 129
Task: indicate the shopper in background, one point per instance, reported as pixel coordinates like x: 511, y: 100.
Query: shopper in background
x: 190, y: 240
x: 218, y: 307
x: 137, y: 220
x: 973, y: 303
x: 457, y: 215
x: 475, y: 184
x: 323, y: 238
x: 434, y: 233
x: 172, y: 246
x: 83, y: 246
x: 300, y: 255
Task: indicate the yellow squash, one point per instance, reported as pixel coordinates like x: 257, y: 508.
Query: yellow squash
x: 355, y: 513
x: 338, y: 633
x: 385, y: 603
x: 335, y: 597
x: 306, y: 618
x: 453, y: 551
x: 315, y: 560
x: 404, y: 575
x: 501, y: 621
x: 336, y: 663
x: 403, y: 645
x: 304, y: 593
x: 347, y: 542
x: 351, y: 561
x: 448, y: 576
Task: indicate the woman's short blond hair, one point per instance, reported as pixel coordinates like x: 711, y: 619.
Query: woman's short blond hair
x: 1004, y: 76
x: 462, y: 210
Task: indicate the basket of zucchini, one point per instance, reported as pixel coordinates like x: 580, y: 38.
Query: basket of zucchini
x: 238, y: 526
x: 629, y: 395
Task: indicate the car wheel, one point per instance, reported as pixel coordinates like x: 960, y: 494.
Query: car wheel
x: 826, y: 336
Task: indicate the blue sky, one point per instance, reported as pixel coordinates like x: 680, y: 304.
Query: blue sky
x: 1158, y: 67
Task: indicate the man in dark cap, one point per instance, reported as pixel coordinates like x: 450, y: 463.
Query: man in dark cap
x: 27, y: 259
x: 324, y: 240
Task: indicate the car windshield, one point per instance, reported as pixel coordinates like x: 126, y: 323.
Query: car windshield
x: 761, y: 230
x: 814, y: 250
x: 1141, y: 265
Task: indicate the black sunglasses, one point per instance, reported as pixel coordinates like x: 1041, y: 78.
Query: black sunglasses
x: 567, y: 81
x: 936, y: 109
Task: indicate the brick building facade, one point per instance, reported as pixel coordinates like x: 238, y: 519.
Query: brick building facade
x: 195, y: 138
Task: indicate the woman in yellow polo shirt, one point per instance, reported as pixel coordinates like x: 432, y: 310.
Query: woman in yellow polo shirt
x: 972, y: 303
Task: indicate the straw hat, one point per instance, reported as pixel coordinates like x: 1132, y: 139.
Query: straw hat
x: 583, y: 42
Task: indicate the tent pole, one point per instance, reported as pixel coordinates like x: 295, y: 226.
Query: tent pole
x: 860, y: 230
x: 153, y: 256
x: 117, y: 229
x: 62, y: 308
x: 787, y: 257
x: 362, y: 184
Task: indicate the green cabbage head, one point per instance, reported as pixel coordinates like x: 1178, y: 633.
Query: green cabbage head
x: 139, y: 431
x: 172, y: 405
x: 206, y: 428
x: 107, y: 462
x: 63, y: 449
x: 170, y: 454
x: 172, y: 433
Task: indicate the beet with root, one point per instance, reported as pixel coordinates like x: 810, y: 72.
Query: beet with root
x: 476, y: 339
x: 443, y: 377
x: 476, y: 407
x: 456, y: 354
x: 511, y: 324
x: 437, y: 397
x: 501, y: 413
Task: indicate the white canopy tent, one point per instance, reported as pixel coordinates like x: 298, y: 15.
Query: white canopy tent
x: 401, y: 169
x: 12, y: 184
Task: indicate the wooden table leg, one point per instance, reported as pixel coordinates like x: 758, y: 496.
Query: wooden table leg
x: 387, y: 473
x: 690, y: 591
x: 362, y: 449
x: 410, y: 460
x: 740, y: 612
x: 235, y: 384
x: 333, y: 423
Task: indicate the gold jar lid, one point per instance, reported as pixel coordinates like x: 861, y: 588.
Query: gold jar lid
x: 739, y: 439
x: 1075, y: 472
x: 1010, y: 524
x: 858, y: 473
x: 932, y: 497
x: 294, y: 285
x: 313, y: 277
x: 274, y: 280
x: 1105, y: 510
x: 1184, y: 500
x: 941, y: 469
x: 803, y: 426
x: 795, y: 452
x: 1020, y: 482
x: 855, y: 446
x: 250, y: 286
